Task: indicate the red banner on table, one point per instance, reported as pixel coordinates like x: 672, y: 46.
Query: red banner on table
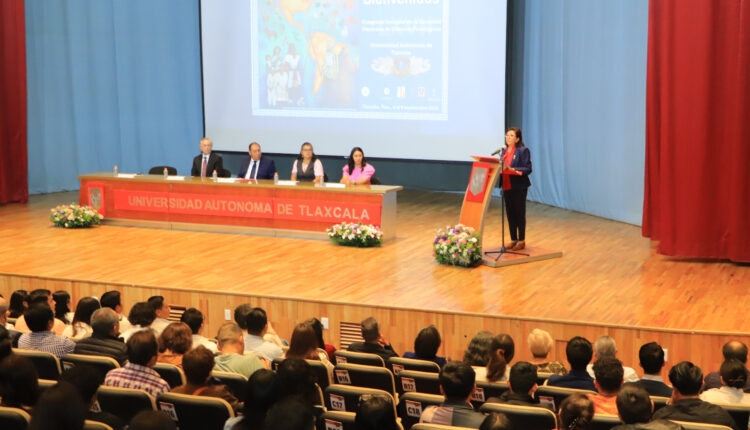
x: 249, y: 207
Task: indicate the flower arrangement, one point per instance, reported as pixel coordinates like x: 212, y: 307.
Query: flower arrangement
x: 75, y: 216
x: 350, y: 234
x: 459, y: 246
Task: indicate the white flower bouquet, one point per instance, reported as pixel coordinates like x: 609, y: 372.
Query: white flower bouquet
x: 359, y: 235
x: 75, y: 216
x: 458, y: 246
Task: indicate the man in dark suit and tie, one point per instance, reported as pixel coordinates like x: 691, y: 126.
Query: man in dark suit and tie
x: 256, y: 166
x: 205, y: 163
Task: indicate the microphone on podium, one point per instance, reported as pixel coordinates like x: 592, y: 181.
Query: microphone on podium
x: 498, y: 151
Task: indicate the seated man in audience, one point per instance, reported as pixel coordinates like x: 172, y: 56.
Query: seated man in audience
x: 634, y: 406
x: 194, y: 319
x: 605, y: 347
x: 87, y: 379
x: 40, y: 320
x: 112, y: 300
x: 162, y: 314
x: 141, y: 316
x: 138, y: 373
x: 104, y: 340
x: 256, y: 323
x: 579, y: 353
x: 240, y: 318
x: 4, y: 312
x: 651, y: 356
x: 687, y: 379
x: 232, y: 347
x: 521, y: 386
x: 40, y: 296
x: 197, y: 364
x: 457, y: 384
x: 608, y: 380
x: 374, y: 342
x: 732, y: 349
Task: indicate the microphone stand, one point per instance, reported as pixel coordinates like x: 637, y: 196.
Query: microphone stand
x: 502, y: 250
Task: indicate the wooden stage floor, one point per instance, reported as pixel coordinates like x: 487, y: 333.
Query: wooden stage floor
x: 609, y: 273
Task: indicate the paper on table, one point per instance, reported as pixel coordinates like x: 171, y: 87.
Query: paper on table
x: 287, y: 183
x: 226, y: 180
x: 334, y: 185
x: 126, y: 175
x: 175, y: 178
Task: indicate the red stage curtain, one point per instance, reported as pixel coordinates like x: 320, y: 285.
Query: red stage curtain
x: 697, y: 188
x: 13, y: 162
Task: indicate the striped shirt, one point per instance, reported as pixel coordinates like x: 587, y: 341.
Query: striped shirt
x: 46, y: 341
x: 137, y: 377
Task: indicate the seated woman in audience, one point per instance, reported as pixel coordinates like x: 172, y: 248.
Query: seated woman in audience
x: 501, y: 353
x: 576, y: 413
x: 59, y: 408
x: 260, y: 395
x: 19, y: 382
x: 174, y: 342
x: 426, y: 346
x: 357, y: 170
x: 18, y: 303
x: 307, y: 167
x: 477, y: 354
x: 318, y: 327
x: 304, y: 344
x: 375, y: 413
x: 733, y: 379
x: 540, y: 343
x: 62, y: 306
x: 197, y: 364
x: 140, y: 317
x: 81, y: 326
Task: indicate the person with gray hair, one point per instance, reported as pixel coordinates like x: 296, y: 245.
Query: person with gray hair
x: 605, y: 346
x: 540, y: 343
x: 374, y: 342
x: 105, y: 324
x: 232, y: 348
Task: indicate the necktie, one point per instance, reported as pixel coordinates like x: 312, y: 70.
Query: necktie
x: 203, y: 168
x: 252, y: 171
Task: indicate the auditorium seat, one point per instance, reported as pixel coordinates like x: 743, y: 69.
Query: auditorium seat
x: 530, y: 417
x: 346, y: 397
x: 124, y: 402
x: 541, y: 378
x: 605, y: 421
x: 425, y: 426
x: 195, y: 412
x: 336, y: 420
x: 13, y: 419
x: 320, y: 370
x: 659, y: 402
x: 365, y: 376
x: 159, y: 170
x: 344, y: 357
x: 411, y: 405
x: 102, y: 363
x: 397, y: 364
x: 486, y: 390
x: 740, y: 413
x: 558, y: 394
x: 235, y: 383
x: 170, y: 373
x: 421, y: 382
x: 700, y: 426
x: 95, y: 425
x: 47, y: 365
x: 44, y: 384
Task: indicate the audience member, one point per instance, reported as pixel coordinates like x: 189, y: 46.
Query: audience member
x: 289, y: 414
x: 457, y: 384
x: 608, y: 380
x: 240, y: 315
x: 497, y: 421
x: 81, y: 325
x: 579, y: 353
x: 61, y: 299
x: 257, y: 326
x: 426, y: 346
x: 304, y: 345
x: 540, y: 343
x: 687, y: 379
x: 87, y: 379
x: 232, y: 347
x: 501, y: 353
x: 18, y: 303
x: 174, y: 342
x: 194, y: 319
x: 732, y: 349
x: 19, y: 382
x: 162, y: 314
x: 141, y: 316
x: 260, y: 394
x: 521, y: 386
x: 138, y: 373
x: 651, y: 356
x: 328, y: 348
x: 152, y: 420
x: 733, y: 379
x: 634, y: 406
x: 477, y: 354
x: 4, y: 313
x: 6, y: 343
x: 59, y: 408
x: 40, y: 320
x: 375, y: 413
x: 40, y: 295
x: 197, y: 364
x: 103, y: 339
x: 374, y: 342
x: 113, y: 300
x: 295, y: 378
x: 576, y: 413
x: 605, y: 347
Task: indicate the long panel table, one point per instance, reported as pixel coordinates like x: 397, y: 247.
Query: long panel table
x: 234, y: 205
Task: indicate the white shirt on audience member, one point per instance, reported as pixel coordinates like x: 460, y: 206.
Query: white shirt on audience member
x: 628, y: 373
x: 260, y: 346
x: 202, y: 340
x: 726, y: 394
x: 82, y: 330
x: 159, y: 325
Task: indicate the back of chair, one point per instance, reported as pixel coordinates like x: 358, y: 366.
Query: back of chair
x: 659, y: 402
x: 44, y: 384
x: 170, y: 373
x: 420, y: 382
x: 346, y: 398
x: 740, y: 413
x: 158, y: 170
x: 344, y: 357
x: 124, y: 402
x: 47, y: 365
x: 101, y: 363
x: 526, y: 417
x: 424, y: 426
x: 336, y: 420
x: 321, y: 373
x: 13, y: 419
x: 558, y: 394
x: 486, y: 390
x: 700, y: 426
x: 365, y: 376
x: 196, y: 412
x: 541, y: 377
x: 235, y: 383
x: 605, y: 421
x: 397, y: 364
x: 411, y: 406
x: 95, y: 425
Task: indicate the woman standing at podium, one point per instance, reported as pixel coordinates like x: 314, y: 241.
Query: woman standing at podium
x: 307, y: 167
x: 515, y: 183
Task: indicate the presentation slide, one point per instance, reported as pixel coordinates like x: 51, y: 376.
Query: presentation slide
x: 414, y: 79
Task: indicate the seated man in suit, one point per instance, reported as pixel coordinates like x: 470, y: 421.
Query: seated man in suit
x: 374, y: 342
x: 634, y: 407
x: 256, y: 166
x: 205, y: 163
x: 651, y: 356
x: 521, y: 386
x: 579, y: 352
